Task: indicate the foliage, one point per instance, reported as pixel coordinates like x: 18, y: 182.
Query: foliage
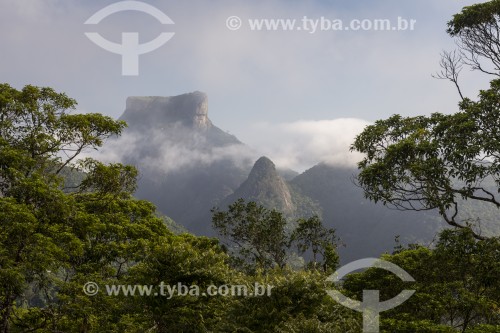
x: 65, y: 222
x: 310, y: 234
x: 256, y: 234
x: 259, y: 237
x: 190, y: 261
x: 476, y: 29
x: 43, y: 230
x: 440, y: 161
x: 424, y: 163
x: 298, y: 303
x: 456, y: 285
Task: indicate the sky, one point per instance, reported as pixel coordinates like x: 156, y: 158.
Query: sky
x: 298, y: 97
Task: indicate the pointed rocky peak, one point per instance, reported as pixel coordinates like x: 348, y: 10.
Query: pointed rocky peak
x: 263, y: 168
x: 265, y: 186
x: 190, y: 110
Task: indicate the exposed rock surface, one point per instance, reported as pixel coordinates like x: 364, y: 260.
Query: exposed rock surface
x: 187, y: 164
x: 190, y: 110
x: 265, y: 186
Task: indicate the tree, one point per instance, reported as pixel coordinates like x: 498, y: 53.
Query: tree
x: 478, y: 36
x: 37, y: 123
x: 298, y: 303
x: 38, y: 139
x: 435, y: 162
x: 256, y: 234
x: 440, y: 161
x: 52, y: 241
x: 310, y: 234
x: 477, y: 33
x: 65, y: 222
x: 456, y: 285
x: 188, y: 260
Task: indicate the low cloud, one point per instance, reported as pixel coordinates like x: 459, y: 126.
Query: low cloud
x: 302, y: 144
x: 295, y: 145
x: 162, y: 151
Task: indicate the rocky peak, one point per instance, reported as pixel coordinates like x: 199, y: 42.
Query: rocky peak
x: 263, y: 168
x: 190, y: 110
x: 265, y: 186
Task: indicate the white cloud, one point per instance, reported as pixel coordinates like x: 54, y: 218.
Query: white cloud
x: 301, y: 144
x: 296, y: 145
x: 160, y: 152
x: 276, y: 77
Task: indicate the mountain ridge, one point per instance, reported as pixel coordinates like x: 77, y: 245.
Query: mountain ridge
x: 190, y: 109
x: 188, y: 166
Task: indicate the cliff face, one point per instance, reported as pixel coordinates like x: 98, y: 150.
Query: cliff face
x: 187, y: 165
x: 190, y: 110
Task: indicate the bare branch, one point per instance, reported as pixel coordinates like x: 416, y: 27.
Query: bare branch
x: 451, y: 65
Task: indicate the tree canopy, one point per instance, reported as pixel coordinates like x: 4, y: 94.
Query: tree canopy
x: 441, y: 160
x: 67, y: 221
x: 436, y: 161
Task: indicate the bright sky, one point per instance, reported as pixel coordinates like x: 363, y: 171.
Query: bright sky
x: 266, y: 87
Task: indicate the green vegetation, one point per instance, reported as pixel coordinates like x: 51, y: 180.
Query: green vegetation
x: 443, y: 162
x: 67, y: 221
x: 438, y: 162
x: 310, y: 234
x: 258, y: 238
x: 457, y: 287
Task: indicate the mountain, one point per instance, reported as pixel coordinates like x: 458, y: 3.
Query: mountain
x: 266, y: 186
x: 367, y: 229
x: 187, y: 165
x: 186, y: 113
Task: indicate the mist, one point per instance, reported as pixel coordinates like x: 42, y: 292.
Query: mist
x: 302, y: 144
